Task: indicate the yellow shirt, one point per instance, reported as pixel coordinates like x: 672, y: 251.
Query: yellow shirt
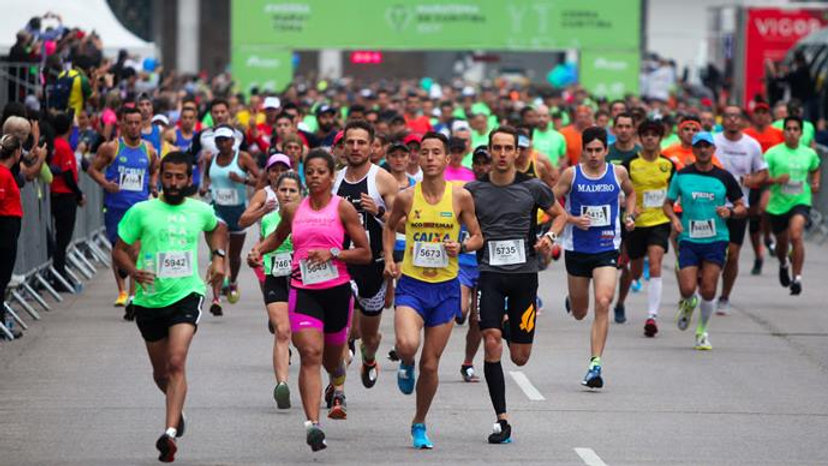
x: 650, y: 179
x: 427, y: 228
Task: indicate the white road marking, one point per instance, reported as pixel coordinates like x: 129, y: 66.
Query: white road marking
x: 590, y: 457
x: 523, y: 382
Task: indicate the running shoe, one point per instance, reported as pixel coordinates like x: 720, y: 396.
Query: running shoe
x: 282, y: 395
x: 215, y: 308
x: 406, y: 378
x: 796, y: 287
x: 225, y: 287
x: 646, y: 271
x: 392, y: 354
x: 166, y: 448
x: 460, y: 319
x: 636, y: 286
x: 270, y: 327
x: 121, y: 300
x: 650, y: 327
x: 129, y: 312
x: 686, y: 308
x: 351, y: 350
x: 182, y: 426
x: 339, y: 409
x: 568, y: 305
x: 757, y: 266
x: 329, y: 393
x: 771, y: 245
x: 703, y: 342
x: 538, y: 305
x: 784, y: 276
x: 556, y: 252
x: 419, y: 439
x: 620, y: 314
x: 723, y: 306
x: 501, y: 432
x: 369, y: 373
x: 593, y: 378
x: 315, y: 436
x: 233, y: 294
x: 467, y: 371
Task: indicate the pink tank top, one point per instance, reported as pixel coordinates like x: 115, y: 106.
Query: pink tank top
x: 318, y: 229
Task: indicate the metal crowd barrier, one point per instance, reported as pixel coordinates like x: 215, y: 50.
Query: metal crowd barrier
x: 88, y: 250
x: 17, y: 80
x: 818, y: 228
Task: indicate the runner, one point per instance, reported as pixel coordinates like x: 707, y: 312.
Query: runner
x: 149, y: 132
x: 284, y: 187
x: 168, y: 302
x: 370, y: 189
x: 789, y: 207
x: 506, y: 204
x: 227, y: 176
x: 705, y: 191
x: 127, y: 170
x: 320, y: 300
x: 650, y: 173
x: 204, y: 142
x: 428, y: 292
x: 741, y: 155
x: 592, y: 237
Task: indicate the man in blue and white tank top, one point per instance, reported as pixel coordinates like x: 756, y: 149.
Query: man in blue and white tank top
x: 149, y: 132
x: 127, y: 170
x: 182, y: 138
x: 593, y: 236
x: 229, y: 172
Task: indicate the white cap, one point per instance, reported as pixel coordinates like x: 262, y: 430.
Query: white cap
x: 272, y: 102
x: 224, y: 132
x: 468, y: 91
x: 460, y: 125
x: 161, y: 119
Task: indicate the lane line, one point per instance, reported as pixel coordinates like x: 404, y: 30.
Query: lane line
x: 590, y: 457
x: 523, y: 382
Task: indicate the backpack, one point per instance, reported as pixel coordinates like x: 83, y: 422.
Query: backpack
x: 58, y: 95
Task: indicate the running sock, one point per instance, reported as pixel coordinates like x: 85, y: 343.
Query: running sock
x: 338, y: 376
x: 171, y: 431
x: 798, y: 279
x: 497, y: 386
x: 654, y: 296
x: 594, y: 361
x: 706, y: 308
x: 367, y: 355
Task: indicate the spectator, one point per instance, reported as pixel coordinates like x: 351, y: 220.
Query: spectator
x: 11, y: 215
x: 29, y: 165
x: 66, y: 195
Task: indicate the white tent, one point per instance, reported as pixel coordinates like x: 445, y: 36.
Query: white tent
x: 88, y: 15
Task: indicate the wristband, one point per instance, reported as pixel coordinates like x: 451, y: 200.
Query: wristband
x: 380, y: 212
x: 552, y: 236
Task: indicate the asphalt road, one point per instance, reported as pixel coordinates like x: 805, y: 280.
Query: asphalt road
x: 77, y: 389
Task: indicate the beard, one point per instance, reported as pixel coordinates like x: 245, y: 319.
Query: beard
x: 326, y: 127
x: 174, y: 197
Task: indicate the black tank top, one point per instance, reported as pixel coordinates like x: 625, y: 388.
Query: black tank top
x: 373, y: 227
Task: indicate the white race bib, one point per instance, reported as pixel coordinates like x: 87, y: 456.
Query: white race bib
x: 793, y: 188
x: 226, y: 196
x: 599, y: 215
x: 507, y: 252
x: 431, y: 255
x: 317, y: 273
x: 654, y: 198
x: 281, y: 265
x: 175, y: 264
x: 131, y: 181
x: 702, y: 228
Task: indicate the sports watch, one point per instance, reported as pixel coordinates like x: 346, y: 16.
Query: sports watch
x: 335, y: 252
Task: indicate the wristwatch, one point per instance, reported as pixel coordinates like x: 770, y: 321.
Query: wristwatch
x: 552, y: 236
x: 335, y: 252
x: 380, y: 212
x: 220, y: 253
x: 630, y: 217
x: 462, y: 247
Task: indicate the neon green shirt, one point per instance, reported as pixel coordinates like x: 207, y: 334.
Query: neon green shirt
x: 808, y: 131
x: 550, y: 143
x: 169, y: 238
x: 797, y: 163
x: 269, y: 224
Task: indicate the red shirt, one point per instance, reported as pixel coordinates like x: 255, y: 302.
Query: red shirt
x: 768, y: 138
x: 419, y: 125
x: 63, y: 159
x: 10, y: 205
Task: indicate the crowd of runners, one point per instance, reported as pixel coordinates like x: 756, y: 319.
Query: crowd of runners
x: 388, y: 203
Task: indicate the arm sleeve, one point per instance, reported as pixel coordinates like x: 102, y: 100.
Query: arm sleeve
x: 733, y: 190
x: 69, y: 178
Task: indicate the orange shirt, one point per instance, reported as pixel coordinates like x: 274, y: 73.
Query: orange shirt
x: 768, y: 138
x: 682, y: 156
x: 573, y: 144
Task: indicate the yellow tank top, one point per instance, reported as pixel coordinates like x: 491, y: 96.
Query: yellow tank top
x: 428, y: 226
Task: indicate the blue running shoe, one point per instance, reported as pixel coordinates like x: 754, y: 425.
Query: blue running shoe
x: 636, y: 286
x: 419, y: 439
x: 406, y: 379
x: 538, y: 304
x: 593, y: 379
x: 646, y: 268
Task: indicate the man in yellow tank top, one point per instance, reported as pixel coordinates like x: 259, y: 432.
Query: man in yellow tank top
x: 428, y: 291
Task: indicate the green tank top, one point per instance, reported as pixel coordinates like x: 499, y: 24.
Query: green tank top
x: 269, y: 223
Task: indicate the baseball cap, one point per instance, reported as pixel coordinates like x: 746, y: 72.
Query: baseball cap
x: 397, y: 145
x: 523, y: 142
x: 277, y: 158
x: 761, y: 106
x: 338, y: 137
x: 468, y: 91
x: 651, y: 125
x: 481, y: 153
x: 458, y: 125
x: 161, y: 119
x: 412, y: 137
x: 323, y: 109
x: 271, y: 102
x: 224, y: 132
x: 703, y: 136
x: 457, y: 144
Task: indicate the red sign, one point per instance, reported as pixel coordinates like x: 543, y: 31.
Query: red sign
x: 366, y: 57
x: 769, y: 34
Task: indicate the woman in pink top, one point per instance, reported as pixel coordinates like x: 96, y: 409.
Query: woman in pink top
x: 320, y: 302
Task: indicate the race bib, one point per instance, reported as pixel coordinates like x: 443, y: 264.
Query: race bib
x: 654, y: 198
x: 175, y: 264
x: 702, y: 228
x: 281, y: 265
x: 793, y: 188
x: 317, y: 273
x: 131, y: 181
x: 431, y: 255
x: 599, y: 215
x: 226, y: 196
x: 507, y: 252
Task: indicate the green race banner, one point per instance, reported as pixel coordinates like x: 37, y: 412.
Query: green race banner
x: 609, y: 74
x: 266, y: 67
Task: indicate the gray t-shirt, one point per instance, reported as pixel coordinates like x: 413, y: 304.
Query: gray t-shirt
x: 508, y: 217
